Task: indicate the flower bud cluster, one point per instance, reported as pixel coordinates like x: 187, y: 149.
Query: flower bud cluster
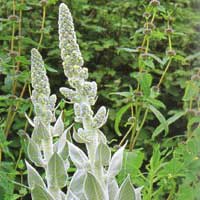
x: 70, y: 52
x: 43, y: 102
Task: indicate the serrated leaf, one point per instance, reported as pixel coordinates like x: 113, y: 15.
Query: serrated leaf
x: 56, y: 172
x: 145, y: 81
x: 191, y: 91
x: 128, y: 50
x: 160, y: 118
x: 119, y: 116
x: 171, y: 120
x: 34, y: 178
x: 156, y: 58
x: 155, y: 102
x: 126, y: 191
x: 93, y: 189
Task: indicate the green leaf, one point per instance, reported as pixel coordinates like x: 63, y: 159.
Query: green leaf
x: 145, y: 80
x: 123, y: 94
x: 56, y: 172
x: 126, y: 191
x: 155, y: 102
x: 191, y: 91
x: 93, y: 189
x: 132, y: 162
x: 118, y: 118
x: 160, y: 118
x: 39, y: 193
x: 171, y: 120
x: 156, y: 58
x: 128, y: 50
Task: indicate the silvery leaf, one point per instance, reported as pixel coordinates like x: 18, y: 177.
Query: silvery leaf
x: 126, y: 191
x: 40, y: 132
x: 71, y: 196
x: 77, y: 156
x: 61, y: 146
x: 63, y: 195
x: 33, y: 177
x: 102, y: 137
x: 39, y: 193
x: 56, y: 173
x: 116, y: 163
x: 79, y: 137
x: 29, y: 120
x: 138, y: 193
x: 93, y: 189
x: 58, y: 128
x: 76, y: 184
x: 112, y: 189
x: 34, y: 153
x: 103, y: 154
x: 100, y: 118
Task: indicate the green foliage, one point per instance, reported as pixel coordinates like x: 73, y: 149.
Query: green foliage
x: 109, y: 34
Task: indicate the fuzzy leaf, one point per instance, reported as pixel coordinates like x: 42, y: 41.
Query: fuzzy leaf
x: 61, y: 146
x: 112, y: 189
x: 103, y: 154
x: 93, y: 189
x: 126, y: 191
x: 34, y: 153
x: 116, y: 162
x: 76, y: 184
x: 71, y: 196
x: 39, y: 193
x: 77, y: 156
x: 56, y: 172
x: 100, y: 117
x: 58, y: 128
x: 40, y: 132
x: 33, y: 177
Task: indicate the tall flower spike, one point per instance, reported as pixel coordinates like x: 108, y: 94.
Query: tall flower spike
x: 42, y: 150
x: 42, y: 101
x: 39, y: 79
x: 96, y: 171
x: 70, y: 51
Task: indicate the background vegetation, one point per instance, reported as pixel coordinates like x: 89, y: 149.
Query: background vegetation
x: 167, y: 164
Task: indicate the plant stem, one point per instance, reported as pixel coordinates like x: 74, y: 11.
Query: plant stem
x: 42, y: 27
x: 164, y: 73
x: 141, y: 125
x: 137, y: 111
